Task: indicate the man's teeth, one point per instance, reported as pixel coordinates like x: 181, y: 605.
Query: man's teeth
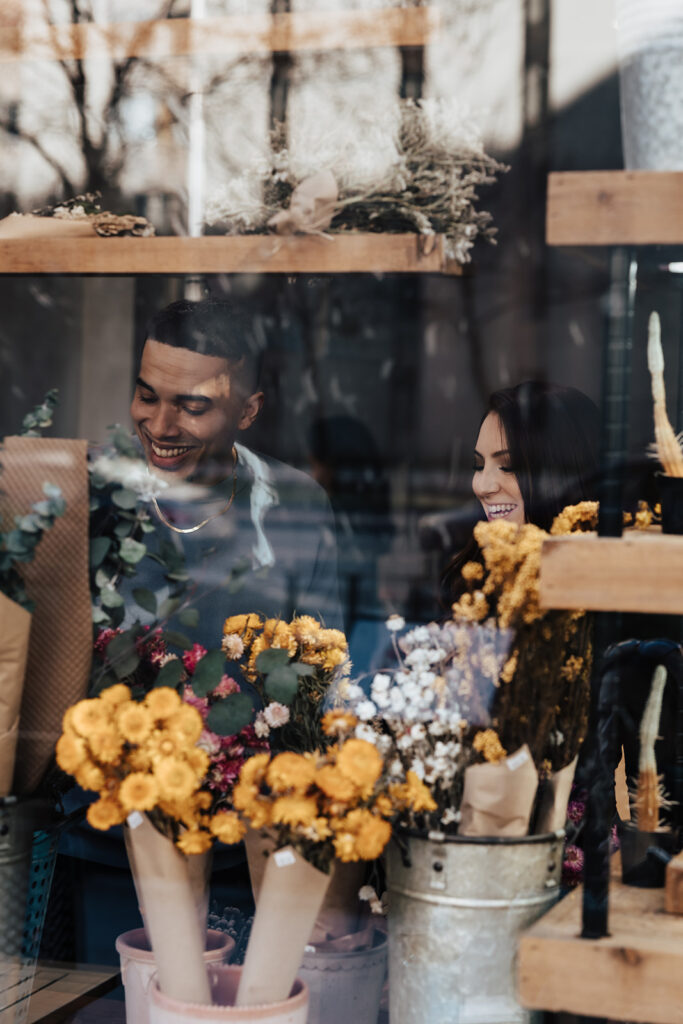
x: 168, y: 453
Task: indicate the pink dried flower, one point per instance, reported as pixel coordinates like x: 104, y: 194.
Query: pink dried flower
x: 576, y: 811
x: 226, y: 686
x: 209, y: 742
x: 103, y: 638
x: 192, y: 657
x: 276, y: 714
x: 572, y: 867
x: 200, y: 703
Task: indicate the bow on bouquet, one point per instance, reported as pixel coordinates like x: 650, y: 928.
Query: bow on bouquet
x: 490, y: 708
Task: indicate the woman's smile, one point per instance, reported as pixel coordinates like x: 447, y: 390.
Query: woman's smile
x: 494, y: 481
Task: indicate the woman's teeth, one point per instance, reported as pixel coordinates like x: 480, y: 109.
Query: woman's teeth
x: 500, y: 511
x: 168, y: 453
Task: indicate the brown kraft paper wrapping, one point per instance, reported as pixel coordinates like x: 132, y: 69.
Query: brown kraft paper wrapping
x: 60, y: 648
x: 15, y: 624
x: 163, y: 887
x: 340, y: 913
x: 552, y: 813
x: 290, y: 899
x: 498, y: 798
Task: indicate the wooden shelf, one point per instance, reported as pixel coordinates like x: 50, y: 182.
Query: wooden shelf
x: 615, y: 208
x: 253, y: 254
x: 635, y: 973
x: 639, y: 572
x: 227, y: 36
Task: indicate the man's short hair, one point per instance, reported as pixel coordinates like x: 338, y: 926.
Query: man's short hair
x: 211, y: 327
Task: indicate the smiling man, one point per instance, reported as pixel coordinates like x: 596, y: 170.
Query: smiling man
x: 256, y: 535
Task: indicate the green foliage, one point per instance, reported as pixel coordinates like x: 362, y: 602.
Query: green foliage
x: 41, y: 417
x: 231, y: 714
x: 208, y: 673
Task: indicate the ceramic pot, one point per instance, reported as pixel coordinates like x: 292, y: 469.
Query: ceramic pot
x: 345, y: 986
x: 224, y: 981
x: 138, y: 967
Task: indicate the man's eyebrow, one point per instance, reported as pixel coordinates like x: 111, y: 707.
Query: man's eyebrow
x: 178, y: 398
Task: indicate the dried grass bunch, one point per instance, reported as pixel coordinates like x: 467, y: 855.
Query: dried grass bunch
x: 430, y: 187
x: 668, y: 447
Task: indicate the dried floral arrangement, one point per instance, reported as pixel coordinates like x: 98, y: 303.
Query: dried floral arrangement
x: 430, y: 188
x: 88, y: 207
x: 504, y: 681
x: 668, y: 447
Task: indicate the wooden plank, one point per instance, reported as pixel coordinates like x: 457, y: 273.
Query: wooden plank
x: 639, y: 572
x: 269, y: 254
x: 673, y: 890
x: 56, y: 989
x: 615, y: 208
x: 635, y: 973
x: 226, y: 36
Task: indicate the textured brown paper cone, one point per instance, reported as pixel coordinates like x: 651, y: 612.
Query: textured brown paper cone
x: 341, y: 908
x: 290, y: 898
x: 552, y: 814
x: 498, y: 798
x: 60, y: 648
x: 15, y: 623
x: 311, y: 207
x: 163, y: 887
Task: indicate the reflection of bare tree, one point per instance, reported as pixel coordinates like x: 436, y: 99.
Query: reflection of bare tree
x: 97, y: 94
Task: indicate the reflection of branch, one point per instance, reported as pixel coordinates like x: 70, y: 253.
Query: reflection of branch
x: 67, y: 184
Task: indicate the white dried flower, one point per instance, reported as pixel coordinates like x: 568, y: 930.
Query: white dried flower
x: 367, y: 733
x: 276, y: 714
x: 233, y: 645
x: 261, y: 727
x: 366, y: 710
x: 395, y: 623
x: 450, y: 816
x: 133, y: 474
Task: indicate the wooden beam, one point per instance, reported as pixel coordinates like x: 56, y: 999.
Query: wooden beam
x: 639, y: 572
x: 227, y: 36
x: 615, y: 208
x: 635, y: 973
x: 345, y: 253
x: 673, y: 889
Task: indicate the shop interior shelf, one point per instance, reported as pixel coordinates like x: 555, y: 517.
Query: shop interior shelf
x: 277, y: 254
x: 635, y: 973
x: 642, y: 571
x: 225, y: 36
x: 615, y: 208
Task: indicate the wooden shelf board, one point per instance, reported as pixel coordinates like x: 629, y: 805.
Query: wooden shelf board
x: 639, y: 572
x: 635, y: 973
x: 226, y: 36
x: 615, y: 208
x: 268, y: 254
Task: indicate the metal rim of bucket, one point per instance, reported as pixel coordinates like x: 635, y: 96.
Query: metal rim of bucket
x: 442, y: 837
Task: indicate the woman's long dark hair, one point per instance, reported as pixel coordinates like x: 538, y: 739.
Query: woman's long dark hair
x: 552, y: 434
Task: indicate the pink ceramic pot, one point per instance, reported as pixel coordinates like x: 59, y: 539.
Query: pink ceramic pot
x: 224, y: 981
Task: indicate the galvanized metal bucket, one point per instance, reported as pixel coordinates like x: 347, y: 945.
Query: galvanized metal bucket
x: 456, y: 908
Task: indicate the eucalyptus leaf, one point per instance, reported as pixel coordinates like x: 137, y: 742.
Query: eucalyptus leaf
x: 189, y: 617
x: 302, y: 669
x: 132, y: 551
x: 124, y: 498
x: 273, y: 658
x: 110, y: 598
x: 99, y: 616
x: 171, y: 636
x: 208, y: 673
x: 168, y: 607
x: 170, y: 674
x: 101, y: 579
x: 282, y: 684
x: 99, y: 548
x: 146, y: 599
x: 122, y: 530
x: 122, y: 655
x: 229, y: 715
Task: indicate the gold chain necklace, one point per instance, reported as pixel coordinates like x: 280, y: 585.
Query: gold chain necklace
x: 193, y: 529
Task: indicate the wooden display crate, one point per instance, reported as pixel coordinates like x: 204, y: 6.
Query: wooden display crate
x: 226, y: 36
x: 635, y: 973
x: 267, y: 254
x: 615, y: 208
x: 642, y: 571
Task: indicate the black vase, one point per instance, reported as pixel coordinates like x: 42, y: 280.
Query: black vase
x: 671, y: 498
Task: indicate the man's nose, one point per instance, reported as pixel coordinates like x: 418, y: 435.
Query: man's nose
x: 163, y: 422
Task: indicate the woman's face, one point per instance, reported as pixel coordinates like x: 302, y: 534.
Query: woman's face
x: 494, y: 482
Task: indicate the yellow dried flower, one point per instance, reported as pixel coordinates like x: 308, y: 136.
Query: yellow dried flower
x: 176, y: 779
x: 116, y: 694
x: 335, y: 784
x: 290, y: 771
x: 472, y: 571
x: 71, y: 752
x: 89, y: 776
x: 244, y: 625
x: 187, y: 723
x: 105, y: 812
x: 134, y: 721
x: 305, y: 630
x: 360, y: 762
x: 90, y: 717
x: 253, y: 770
x: 107, y: 747
x: 138, y: 792
x: 294, y: 810
x: 277, y: 633
x: 194, y: 841
x: 338, y: 722
x: 162, y: 702
x: 488, y: 743
x: 198, y: 761
x: 227, y: 827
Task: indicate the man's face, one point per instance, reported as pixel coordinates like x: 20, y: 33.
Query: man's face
x: 187, y: 410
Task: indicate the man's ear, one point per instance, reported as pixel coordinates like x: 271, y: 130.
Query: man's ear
x: 250, y: 410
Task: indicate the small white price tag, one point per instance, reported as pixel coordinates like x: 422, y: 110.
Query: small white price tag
x: 134, y: 819
x: 517, y: 760
x: 283, y: 858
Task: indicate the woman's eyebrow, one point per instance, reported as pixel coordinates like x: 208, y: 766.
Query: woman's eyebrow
x: 503, y: 451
